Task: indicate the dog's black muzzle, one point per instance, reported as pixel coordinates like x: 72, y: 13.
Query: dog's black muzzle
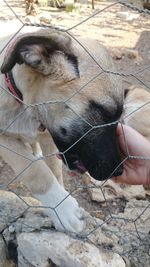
x: 102, y: 157
x: 98, y: 153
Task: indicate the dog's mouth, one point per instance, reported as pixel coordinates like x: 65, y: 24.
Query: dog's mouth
x: 98, y: 154
x: 79, y: 166
x: 74, y: 163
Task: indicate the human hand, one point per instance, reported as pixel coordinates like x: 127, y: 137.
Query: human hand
x: 136, y: 170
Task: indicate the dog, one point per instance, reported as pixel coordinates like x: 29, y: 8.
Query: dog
x: 66, y: 86
x: 137, y: 109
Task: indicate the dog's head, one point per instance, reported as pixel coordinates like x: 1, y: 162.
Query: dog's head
x: 83, y: 99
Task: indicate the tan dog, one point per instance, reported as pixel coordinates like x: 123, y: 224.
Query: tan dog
x: 49, y: 67
x: 137, y: 110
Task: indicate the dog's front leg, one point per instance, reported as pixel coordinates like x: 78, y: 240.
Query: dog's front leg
x: 62, y: 208
x: 48, y: 146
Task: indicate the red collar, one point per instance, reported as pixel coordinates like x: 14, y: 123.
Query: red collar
x: 12, y: 86
x: 16, y: 93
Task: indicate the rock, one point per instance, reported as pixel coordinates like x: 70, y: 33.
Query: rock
x: 138, y: 211
x: 147, y: 192
x: 12, y: 207
x: 132, y: 54
x: 6, y: 173
x: 25, y: 225
x: 41, y: 18
x: 128, y: 16
x: 45, y: 17
x: 2, y: 253
x: 35, y: 249
x: 134, y: 191
x: 4, y: 262
x: 31, y: 20
x: 118, y: 54
x: 129, y: 231
x: 100, y: 191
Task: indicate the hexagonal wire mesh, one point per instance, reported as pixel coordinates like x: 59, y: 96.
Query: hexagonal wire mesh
x: 125, y: 228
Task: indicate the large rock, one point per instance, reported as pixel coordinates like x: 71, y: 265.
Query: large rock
x: 27, y: 227
x: 2, y: 253
x: 4, y: 262
x: 35, y: 249
x: 12, y: 207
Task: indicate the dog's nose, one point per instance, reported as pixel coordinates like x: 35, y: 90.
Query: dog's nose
x: 118, y: 171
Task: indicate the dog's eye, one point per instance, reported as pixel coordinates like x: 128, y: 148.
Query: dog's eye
x: 108, y: 114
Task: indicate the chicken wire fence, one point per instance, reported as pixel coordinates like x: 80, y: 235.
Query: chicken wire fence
x: 140, y: 240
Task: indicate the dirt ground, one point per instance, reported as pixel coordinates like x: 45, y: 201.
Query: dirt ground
x: 129, y: 43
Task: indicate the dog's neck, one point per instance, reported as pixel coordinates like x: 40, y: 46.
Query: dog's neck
x: 27, y: 124
x: 11, y: 85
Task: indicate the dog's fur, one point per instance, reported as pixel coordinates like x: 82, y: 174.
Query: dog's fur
x: 137, y: 110
x: 49, y: 67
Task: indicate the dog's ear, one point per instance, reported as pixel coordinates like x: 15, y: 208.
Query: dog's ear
x: 40, y: 51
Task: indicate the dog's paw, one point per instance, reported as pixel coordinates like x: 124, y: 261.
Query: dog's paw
x: 63, y: 210
x: 68, y: 216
